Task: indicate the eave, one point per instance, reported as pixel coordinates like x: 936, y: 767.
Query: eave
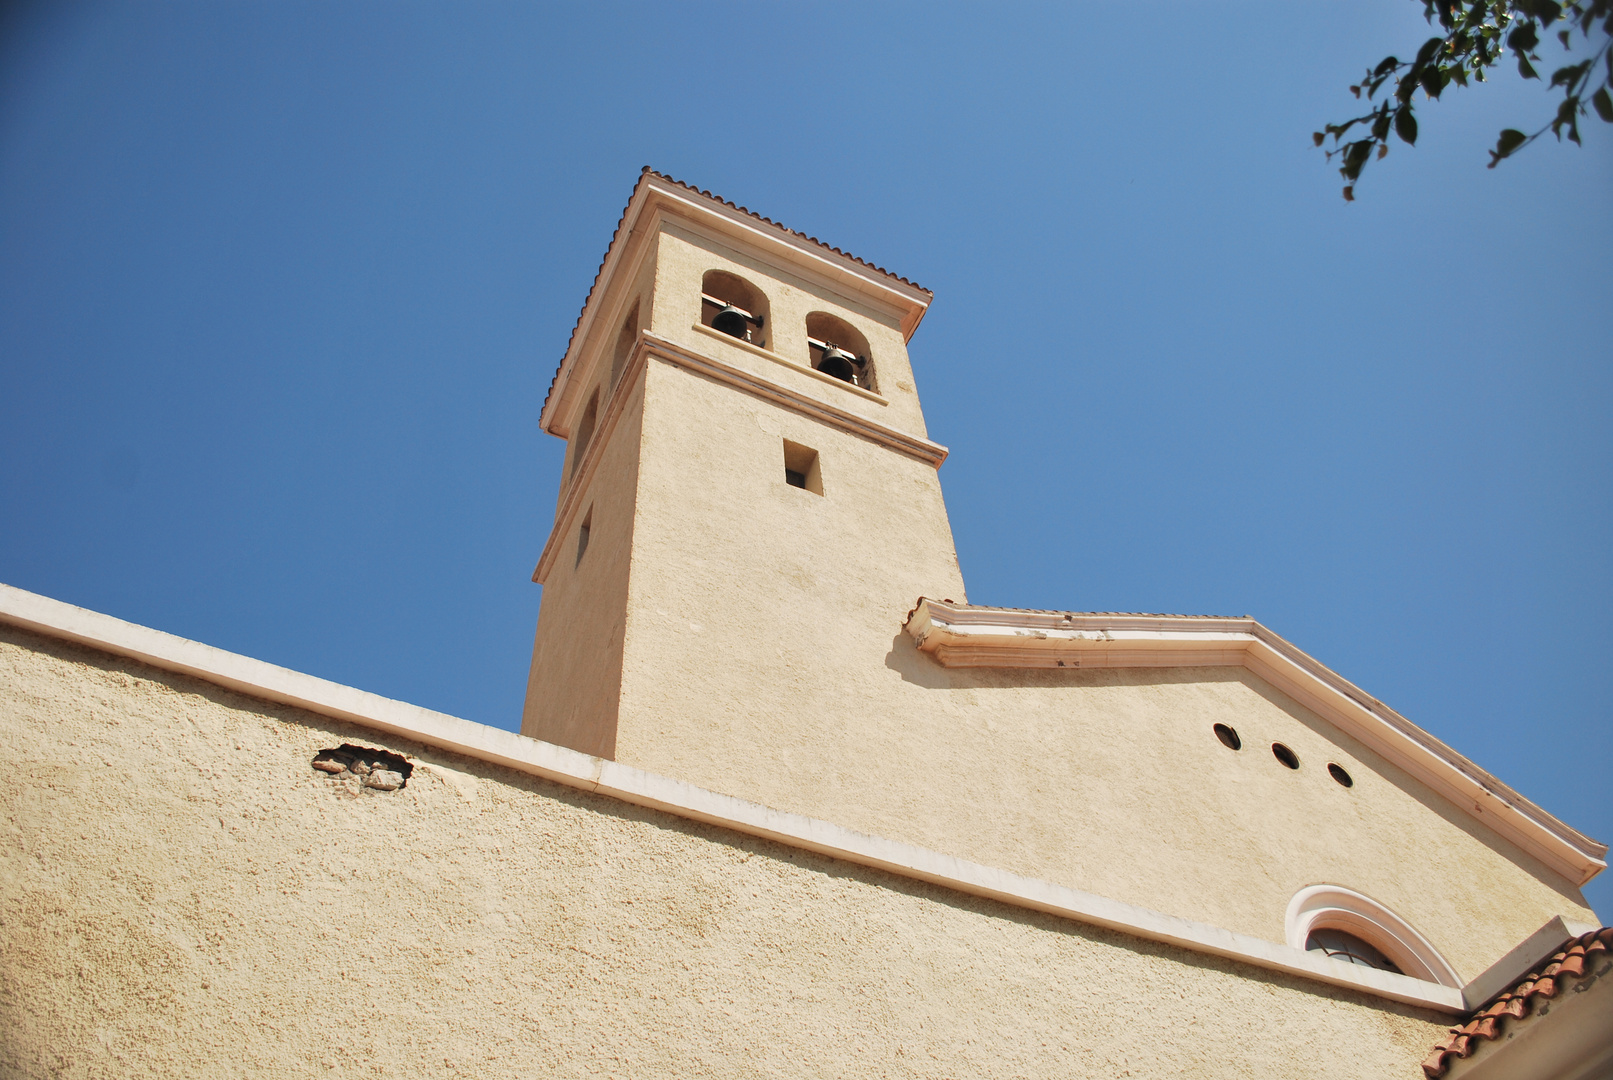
x: 805, y: 255
x: 961, y: 635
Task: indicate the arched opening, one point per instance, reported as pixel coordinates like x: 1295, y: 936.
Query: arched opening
x: 733, y: 306
x: 625, y: 338
x: 839, y: 350
x: 1345, y: 925
x: 585, y: 432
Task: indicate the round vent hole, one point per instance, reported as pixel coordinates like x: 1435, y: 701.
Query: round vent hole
x: 1285, y: 755
x: 1229, y: 737
x: 1337, y: 772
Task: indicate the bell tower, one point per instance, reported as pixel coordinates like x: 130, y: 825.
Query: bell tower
x: 749, y: 507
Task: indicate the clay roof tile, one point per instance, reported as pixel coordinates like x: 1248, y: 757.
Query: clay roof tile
x: 1489, y: 1023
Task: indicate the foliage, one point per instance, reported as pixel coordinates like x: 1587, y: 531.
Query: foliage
x: 1477, y: 35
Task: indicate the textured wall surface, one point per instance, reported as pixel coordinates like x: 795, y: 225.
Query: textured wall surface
x: 182, y: 895
x: 763, y: 656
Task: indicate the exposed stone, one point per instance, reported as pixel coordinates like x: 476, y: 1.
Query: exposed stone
x: 329, y: 765
x: 360, y: 768
x: 385, y: 779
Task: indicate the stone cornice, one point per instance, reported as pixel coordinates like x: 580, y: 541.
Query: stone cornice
x: 960, y: 635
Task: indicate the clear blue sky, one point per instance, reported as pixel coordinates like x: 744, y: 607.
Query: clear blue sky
x: 282, y: 286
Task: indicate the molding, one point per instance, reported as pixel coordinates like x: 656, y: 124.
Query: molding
x: 961, y: 635
x: 1337, y: 908
x: 804, y: 256
x: 791, y: 364
x: 652, y: 345
x: 1530, y: 953
x: 268, y: 682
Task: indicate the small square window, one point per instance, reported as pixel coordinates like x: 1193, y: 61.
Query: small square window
x: 801, y: 468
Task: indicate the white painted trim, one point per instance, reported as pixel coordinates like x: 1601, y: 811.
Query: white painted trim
x: 1520, y: 960
x: 961, y: 635
x: 1333, y: 907
x: 803, y: 369
x: 271, y: 683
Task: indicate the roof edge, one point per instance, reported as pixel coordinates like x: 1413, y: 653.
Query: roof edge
x: 906, y: 294
x: 269, y: 682
x: 966, y: 635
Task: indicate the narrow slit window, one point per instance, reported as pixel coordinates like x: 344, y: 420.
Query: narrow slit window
x: 582, y: 534
x: 801, y: 468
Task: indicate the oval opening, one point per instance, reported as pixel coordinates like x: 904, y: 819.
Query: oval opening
x: 1229, y: 737
x: 1337, y: 772
x: 1285, y: 755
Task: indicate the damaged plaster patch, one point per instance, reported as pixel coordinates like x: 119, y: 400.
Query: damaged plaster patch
x: 378, y: 769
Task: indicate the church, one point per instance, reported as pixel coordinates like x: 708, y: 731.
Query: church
x: 784, y: 803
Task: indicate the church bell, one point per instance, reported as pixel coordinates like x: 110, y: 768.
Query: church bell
x: 731, y: 321
x: 838, y: 365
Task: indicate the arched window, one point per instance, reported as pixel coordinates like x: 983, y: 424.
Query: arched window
x: 837, y: 348
x: 624, y: 344
x: 1338, y: 945
x: 1346, y: 925
x: 731, y: 305
x: 585, y: 432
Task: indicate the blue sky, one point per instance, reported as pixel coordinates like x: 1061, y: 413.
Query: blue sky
x: 282, y: 286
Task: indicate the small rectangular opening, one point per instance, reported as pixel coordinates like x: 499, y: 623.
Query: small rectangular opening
x: 801, y: 467
x: 582, y: 534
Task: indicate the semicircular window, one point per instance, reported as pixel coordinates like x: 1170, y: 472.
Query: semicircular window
x: 1349, y: 948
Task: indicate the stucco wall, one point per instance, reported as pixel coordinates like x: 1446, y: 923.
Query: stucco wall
x: 575, y: 677
x: 181, y: 894
x: 767, y: 661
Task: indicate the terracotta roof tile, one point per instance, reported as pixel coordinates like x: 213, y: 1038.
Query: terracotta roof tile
x: 647, y: 171
x: 1489, y: 1023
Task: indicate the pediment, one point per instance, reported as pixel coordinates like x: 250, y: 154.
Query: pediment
x: 970, y: 636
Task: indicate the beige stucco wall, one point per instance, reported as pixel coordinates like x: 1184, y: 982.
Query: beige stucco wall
x: 763, y: 657
x: 575, y: 677
x: 182, y: 895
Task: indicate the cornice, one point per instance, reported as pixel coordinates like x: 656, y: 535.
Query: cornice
x: 653, y: 346
x: 800, y: 253
x: 960, y: 635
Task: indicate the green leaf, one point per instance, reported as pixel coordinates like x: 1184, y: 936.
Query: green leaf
x: 1389, y: 64
x: 1563, y: 36
x: 1380, y: 126
x: 1509, y: 141
x: 1430, y: 82
x: 1426, y: 53
x: 1317, y: 137
x: 1525, y: 69
x: 1604, y: 104
x: 1568, y: 76
x: 1523, y: 39
x: 1406, y: 126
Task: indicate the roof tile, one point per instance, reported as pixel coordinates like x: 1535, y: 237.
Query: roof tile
x: 1489, y: 1023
